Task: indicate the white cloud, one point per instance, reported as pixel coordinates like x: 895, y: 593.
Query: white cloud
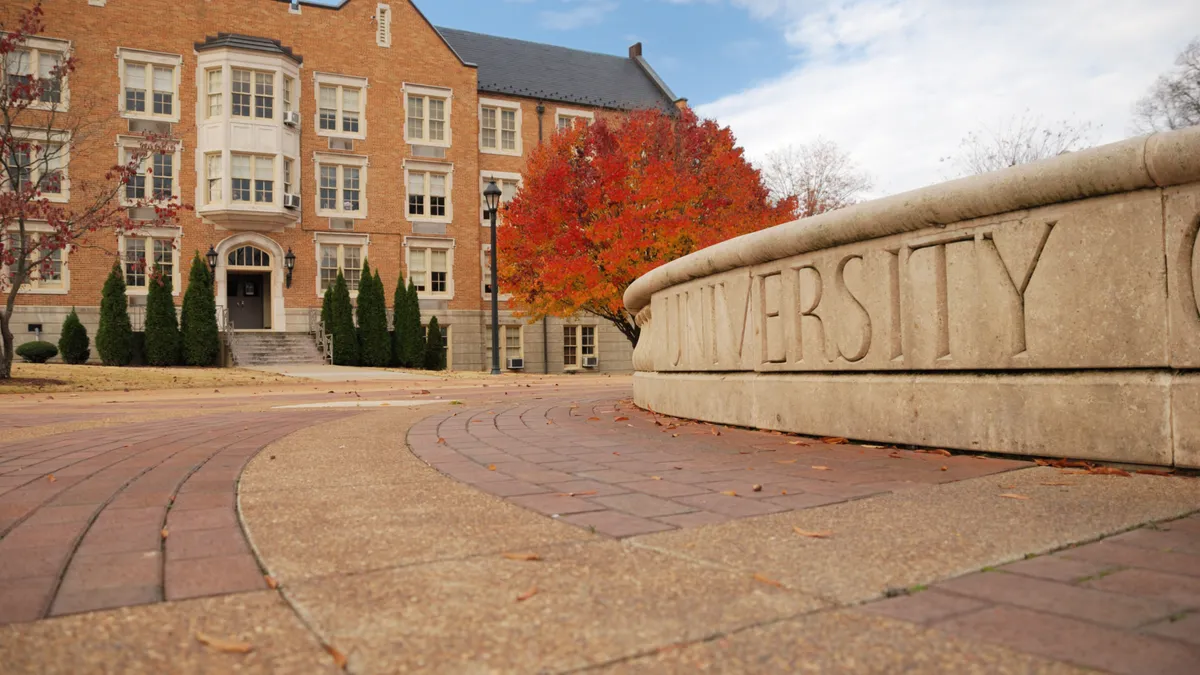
x: 579, y: 13
x: 898, y: 83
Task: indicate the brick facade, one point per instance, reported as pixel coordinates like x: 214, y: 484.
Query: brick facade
x: 342, y: 42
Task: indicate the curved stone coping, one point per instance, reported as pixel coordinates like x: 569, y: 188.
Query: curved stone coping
x: 1157, y: 160
x: 83, y: 514
x: 620, y: 471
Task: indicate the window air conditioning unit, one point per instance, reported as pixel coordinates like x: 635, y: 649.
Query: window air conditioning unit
x: 292, y: 118
x: 291, y: 201
x: 516, y: 364
x: 590, y: 362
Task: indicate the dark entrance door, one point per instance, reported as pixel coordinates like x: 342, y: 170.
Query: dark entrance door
x: 245, y: 296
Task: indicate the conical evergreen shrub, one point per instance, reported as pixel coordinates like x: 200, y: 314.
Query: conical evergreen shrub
x: 345, y: 338
x: 372, y: 321
x: 435, y: 355
x: 198, y: 327
x: 412, y: 340
x: 73, y: 343
x: 114, y: 337
x: 327, y: 309
x: 162, y: 324
x: 399, y: 302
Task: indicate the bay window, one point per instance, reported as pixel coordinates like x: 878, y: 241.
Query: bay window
x: 212, y: 172
x: 214, y: 91
x: 252, y: 178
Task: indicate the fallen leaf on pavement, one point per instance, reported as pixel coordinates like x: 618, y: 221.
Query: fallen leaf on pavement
x: 616, y: 453
x: 655, y: 477
x: 783, y: 492
x: 767, y: 580
x: 674, y: 435
x: 785, y: 461
x: 227, y: 646
x: 527, y: 594
x: 271, y: 583
x: 1109, y: 471
x: 1155, y: 472
x: 714, y: 431
x: 421, y: 391
x: 818, y: 467
x: 729, y: 493
x: 51, y: 478
x: 440, y: 441
x: 620, y: 419
x: 491, y: 467
x: 756, y: 488
x: 798, y: 443
x: 895, y: 455
x: 164, y: 533
x: 593, y: 419
x: 339, y: 659
x: 1010, y: 495
x: 526, y: 557
x: 875, y: 447
x: 945, y: 469
x: 835, y: 440
x: 944, y: 453
x: 825, y: 534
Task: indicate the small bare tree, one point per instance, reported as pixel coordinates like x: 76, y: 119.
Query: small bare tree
x: 44, y: 209
x: 1174, y: 100
x: 819, y: 174
x: 1019, y: 140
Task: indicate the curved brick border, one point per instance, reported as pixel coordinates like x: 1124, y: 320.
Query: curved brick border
x: 620, y: 471
x: 82, y: 514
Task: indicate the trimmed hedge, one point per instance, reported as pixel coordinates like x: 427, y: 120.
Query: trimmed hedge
x: 37, y: 351
x: 114, y: 337
x: 73, y: 343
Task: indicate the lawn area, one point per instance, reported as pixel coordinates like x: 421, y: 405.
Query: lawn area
x: 38, y: 378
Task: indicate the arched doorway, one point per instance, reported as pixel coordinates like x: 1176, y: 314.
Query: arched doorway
x: 249, y: 281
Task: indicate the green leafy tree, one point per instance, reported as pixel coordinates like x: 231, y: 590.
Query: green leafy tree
x: 345, y: 337
x: 372, y: 321
x: 114, y: 337
x: 73, y: 343
x: 198, y: 328
x: 435, y: 354
x: 162, y: 324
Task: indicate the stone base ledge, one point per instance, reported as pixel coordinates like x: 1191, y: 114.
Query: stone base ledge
x: 1141, y: 417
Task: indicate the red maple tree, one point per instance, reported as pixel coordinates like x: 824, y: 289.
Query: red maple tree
x: 44, y: 207
x: 603, y: 204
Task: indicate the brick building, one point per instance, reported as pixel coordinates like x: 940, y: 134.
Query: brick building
x: 338, y: 134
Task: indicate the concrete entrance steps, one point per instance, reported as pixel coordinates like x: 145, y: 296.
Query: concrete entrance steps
x: 269, y: 348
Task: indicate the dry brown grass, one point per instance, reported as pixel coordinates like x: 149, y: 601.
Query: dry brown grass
x: 38, y: 378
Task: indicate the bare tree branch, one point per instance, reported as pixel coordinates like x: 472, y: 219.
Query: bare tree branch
x: 1174, y: 100
x: 819, y: 174
x: 1019, y: 140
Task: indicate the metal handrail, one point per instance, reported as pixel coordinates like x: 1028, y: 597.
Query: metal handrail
x: 324, y: 339
x: 226, y: 325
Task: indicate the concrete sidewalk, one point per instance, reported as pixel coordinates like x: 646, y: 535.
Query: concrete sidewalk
x: 385, y: 564
x: 328, y: 373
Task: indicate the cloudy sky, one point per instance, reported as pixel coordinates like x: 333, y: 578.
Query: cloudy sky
x: 897, y: 83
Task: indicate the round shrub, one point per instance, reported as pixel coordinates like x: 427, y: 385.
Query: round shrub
x: 38, y: 351
x: 74, y: 344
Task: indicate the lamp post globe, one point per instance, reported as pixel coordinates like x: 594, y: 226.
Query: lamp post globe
x: 491, y: 197
x: 211, y: 256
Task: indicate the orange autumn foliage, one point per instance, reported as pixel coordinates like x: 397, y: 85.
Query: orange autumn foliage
x: 603, y: 204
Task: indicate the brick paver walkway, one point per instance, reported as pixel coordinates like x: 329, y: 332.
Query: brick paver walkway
x: 130, y: 515
x: 1125, y: 604
x: 620, y: 471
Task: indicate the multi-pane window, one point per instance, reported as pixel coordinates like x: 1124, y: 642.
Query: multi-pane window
x: 288, y: 184
x: 149, y: 88
x: 252, y: 178
x: 45, y: 270
x: 164, y: 257
x: 214, y: 91
x: 264, y: 95
x: 35, y: 164
x: 427, y: 194
x: 498, y: 128
x: 429, y: 269
x: 135, y: 189
x: 339, y: 108
x: 344, y: 257
x: 143, y: 255
x: 289, y: 91
x: 18, y: 166
x: 135, y: 263
x: 264, y: 180
x: 212, y: 173
x: 240, y: 98
x: 23, y: 66
x: 579, y: 343
x: 485, y: 259
x: 510, y: 344
x: 164, y: 175
x: 240, y: 178
x: 426, y: 119
x: 340, y: 188
x: 567, y: 120
x: 508, y: 190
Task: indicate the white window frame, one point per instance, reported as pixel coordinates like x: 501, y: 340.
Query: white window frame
x: 427, y: 92
x: 276, y: 182
x: 425, y: 244
x: 130, y: 143
x: 411, y: 167
x: 505, y: 328
x: 148, y: 59
x: 41, y: 137
x: 35, y: 229
x: 383, y: 25
x: 362, y: 241
x: 148, y: 234
x: 340, y: 82
x: 574, y: 114
x: 35, y: 45
x: 578, y: 329
x: 501, y: 178
x: 340, y: 161
x: 500, y: 105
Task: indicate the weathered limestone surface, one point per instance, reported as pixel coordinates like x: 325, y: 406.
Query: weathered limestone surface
x: 1045, y: 309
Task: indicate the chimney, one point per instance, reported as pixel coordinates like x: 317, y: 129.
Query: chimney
x: 635, y: 51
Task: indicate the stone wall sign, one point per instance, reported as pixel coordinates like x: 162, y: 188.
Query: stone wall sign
x: 1067, y: 283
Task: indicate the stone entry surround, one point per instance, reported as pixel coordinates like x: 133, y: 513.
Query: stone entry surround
x: 1045, y: 309
x: 618, y: 471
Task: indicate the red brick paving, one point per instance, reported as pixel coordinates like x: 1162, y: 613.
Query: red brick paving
x: 623, y: 477
x: 1107, y: 605
x: 91, y: 537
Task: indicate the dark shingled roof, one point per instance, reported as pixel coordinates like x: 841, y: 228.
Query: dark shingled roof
x: 249, y: 42
x: 535, y: 70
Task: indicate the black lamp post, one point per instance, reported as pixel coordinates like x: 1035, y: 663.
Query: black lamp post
x: 289, y: 263
x: 212, y: 258
x: 491, y: 195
